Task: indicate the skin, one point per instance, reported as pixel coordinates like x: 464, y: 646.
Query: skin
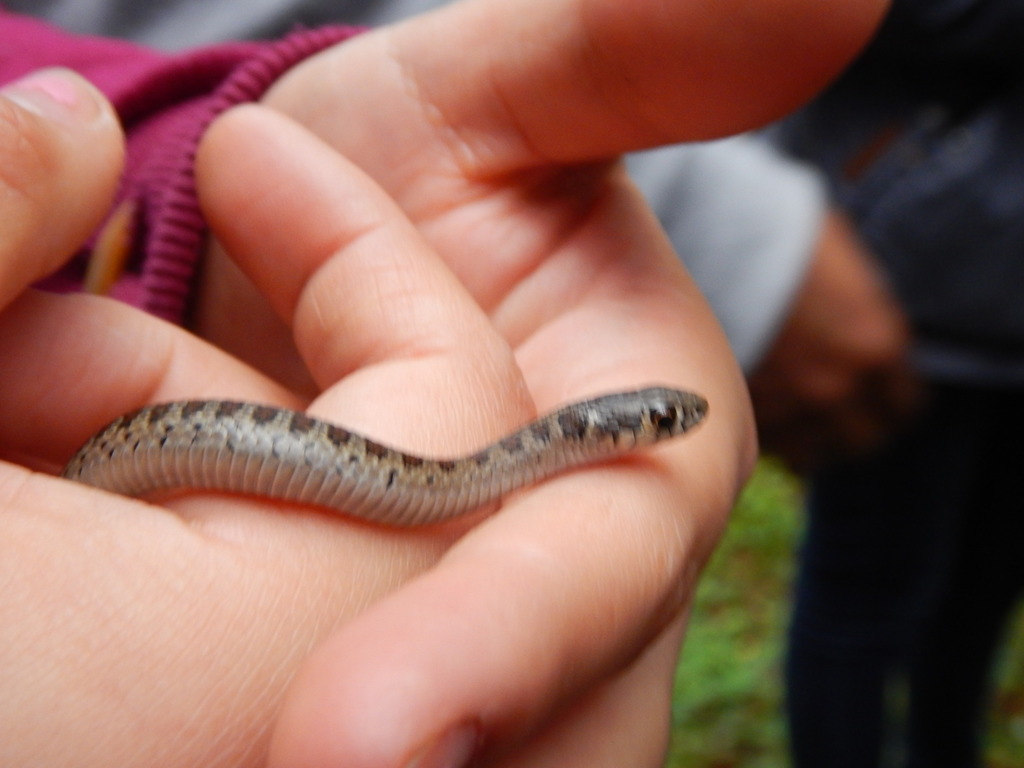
x: 438, y: 288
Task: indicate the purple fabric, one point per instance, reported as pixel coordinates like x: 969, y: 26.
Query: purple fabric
x: 165, y: 102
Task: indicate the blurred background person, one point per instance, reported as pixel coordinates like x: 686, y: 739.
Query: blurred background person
x: 912, y: 562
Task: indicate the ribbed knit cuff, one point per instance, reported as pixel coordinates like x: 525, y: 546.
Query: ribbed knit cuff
x: 169, y: 231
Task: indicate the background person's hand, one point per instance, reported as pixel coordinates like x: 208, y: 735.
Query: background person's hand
x: 837, y: 380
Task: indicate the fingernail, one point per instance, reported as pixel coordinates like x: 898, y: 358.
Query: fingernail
x: 452, y: 750
x: 57, y: 94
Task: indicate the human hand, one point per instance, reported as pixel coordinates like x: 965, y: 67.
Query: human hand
x: 499, y: 155
x: 138, y: 634
x: 130, y: 636
x: 837, y: 380
x: 178, y: 633
x: 505, y: 646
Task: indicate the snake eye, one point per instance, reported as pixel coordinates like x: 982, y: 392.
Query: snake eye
x: 665, y: 418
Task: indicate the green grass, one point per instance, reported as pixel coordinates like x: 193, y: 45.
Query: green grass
x: 728, y: 702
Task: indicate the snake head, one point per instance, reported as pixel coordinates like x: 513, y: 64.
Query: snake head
x: 670, y: 412
x: 639, y: 418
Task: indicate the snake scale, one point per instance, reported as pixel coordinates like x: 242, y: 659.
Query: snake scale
x: 291, y: 456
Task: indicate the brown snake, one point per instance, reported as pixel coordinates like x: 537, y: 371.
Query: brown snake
x: 290, y: 456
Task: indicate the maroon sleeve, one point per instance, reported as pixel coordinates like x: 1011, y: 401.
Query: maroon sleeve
x: 165, y: 101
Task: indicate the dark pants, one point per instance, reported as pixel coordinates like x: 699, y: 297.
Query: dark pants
x: 913, y: 561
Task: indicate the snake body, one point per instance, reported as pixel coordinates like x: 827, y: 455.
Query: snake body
x: 291, y: 456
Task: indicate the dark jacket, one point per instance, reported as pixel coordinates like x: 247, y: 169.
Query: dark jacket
x: 923, y: 144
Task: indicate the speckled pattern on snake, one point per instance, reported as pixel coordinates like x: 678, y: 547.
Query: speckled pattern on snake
x: 287, y: 455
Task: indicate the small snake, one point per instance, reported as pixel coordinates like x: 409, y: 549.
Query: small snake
x: 288, y: 455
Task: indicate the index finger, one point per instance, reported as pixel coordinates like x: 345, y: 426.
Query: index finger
x: 572, y: 82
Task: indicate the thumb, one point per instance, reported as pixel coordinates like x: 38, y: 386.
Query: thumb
x: 61, y: 151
